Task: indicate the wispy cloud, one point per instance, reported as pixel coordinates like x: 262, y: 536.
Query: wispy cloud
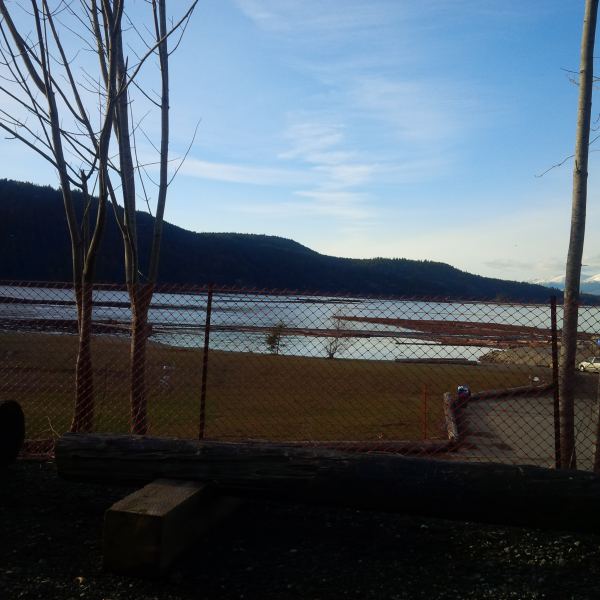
x: 344, y: 15
x: 342, y: 204
x: 509, y: 264
x: 320, y: 146
x: 320, y: 182
x: 344, y: 175
x: 345, y: 209
x: 313, y: 141
x: 235, y: 173
x: 419, y: 111
x: 407, y: 124
x: 291, y: 15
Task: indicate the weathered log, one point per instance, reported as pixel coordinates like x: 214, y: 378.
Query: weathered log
x: 405, y: 447
x: 12, y: 431
x: 524, y: 390
x: 450, y: 417
x: 493, y: 493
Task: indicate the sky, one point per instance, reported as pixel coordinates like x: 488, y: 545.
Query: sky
x: 394, y: 128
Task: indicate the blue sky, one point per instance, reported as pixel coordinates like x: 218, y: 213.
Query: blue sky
x: 398, y: 128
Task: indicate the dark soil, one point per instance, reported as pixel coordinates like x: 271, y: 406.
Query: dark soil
x: 50, y: 548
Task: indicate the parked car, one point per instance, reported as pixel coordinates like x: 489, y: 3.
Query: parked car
x: 591, y: 364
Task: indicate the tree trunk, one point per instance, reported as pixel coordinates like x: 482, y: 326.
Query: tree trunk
x: 163, y: 53
x: 573, y: 269
x: 83, y: 414
x: 495, y: 493
x: 141, y: 296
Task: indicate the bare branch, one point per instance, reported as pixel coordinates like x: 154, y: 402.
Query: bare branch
x: 187, y: 151
x: 152, y: 49
x: 564, y: 160
x: 23, y: 48
x: 137, y: 162
x: 31, y: 145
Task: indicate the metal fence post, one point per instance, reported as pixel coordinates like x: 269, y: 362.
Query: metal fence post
x: 202, y: 423
x: 553, y: 326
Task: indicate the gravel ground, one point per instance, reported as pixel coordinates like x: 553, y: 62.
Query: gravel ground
x: 50, y: 548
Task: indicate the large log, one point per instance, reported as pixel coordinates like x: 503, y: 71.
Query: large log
x: 450, y: 417
x: 12, y: 431
x: 524, y: 390
x: 493, y: 493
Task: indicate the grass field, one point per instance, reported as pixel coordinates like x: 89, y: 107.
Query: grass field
x: 248, y: 395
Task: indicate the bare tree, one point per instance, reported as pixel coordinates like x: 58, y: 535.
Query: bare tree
x: 40, y: 95
x: 274, y: 338
x: 51, y: 97
x: 141, y: 284
x: 573, y: 268
x: 337, y: 339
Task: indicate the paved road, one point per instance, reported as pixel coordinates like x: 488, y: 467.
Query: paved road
x: 520, y: 430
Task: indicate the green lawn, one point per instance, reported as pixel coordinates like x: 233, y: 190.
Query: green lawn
x: 248, y: 395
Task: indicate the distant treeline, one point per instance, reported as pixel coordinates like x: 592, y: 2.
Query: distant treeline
x: 34, y: 245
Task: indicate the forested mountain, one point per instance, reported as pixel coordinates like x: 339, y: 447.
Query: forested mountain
x: 34, y: 245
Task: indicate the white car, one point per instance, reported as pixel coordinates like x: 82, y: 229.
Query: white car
x: 591, y: 364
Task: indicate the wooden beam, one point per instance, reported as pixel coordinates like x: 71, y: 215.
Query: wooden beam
x: 145, y: 532
x: 493, y: 493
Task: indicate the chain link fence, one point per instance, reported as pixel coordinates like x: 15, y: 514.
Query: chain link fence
x: 355, y: 373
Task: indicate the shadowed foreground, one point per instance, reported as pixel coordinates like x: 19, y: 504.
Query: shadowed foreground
x: 50, y: 548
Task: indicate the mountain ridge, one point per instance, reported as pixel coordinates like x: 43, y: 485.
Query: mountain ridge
x: 35, y: 246
x: 589, y: 284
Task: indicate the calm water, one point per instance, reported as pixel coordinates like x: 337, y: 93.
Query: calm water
x: 179, y: 320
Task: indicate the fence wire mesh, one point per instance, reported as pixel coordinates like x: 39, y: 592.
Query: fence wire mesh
x: 355, y: 373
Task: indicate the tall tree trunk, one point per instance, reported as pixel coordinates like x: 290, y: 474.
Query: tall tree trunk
x: 83, y: 416
x: 141, y: 293
x: 84, y: 356
x: 573, y: 269
x: 163, y: 184
x: 141, y: 297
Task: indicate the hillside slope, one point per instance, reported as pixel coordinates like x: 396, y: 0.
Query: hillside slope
x: 34, y: 245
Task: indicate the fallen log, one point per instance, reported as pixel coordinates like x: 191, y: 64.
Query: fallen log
x: 405, y: 447
x: 12, y: 431
x: 524, y: 390
x: 492, y: 493
x: 450, y: 418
